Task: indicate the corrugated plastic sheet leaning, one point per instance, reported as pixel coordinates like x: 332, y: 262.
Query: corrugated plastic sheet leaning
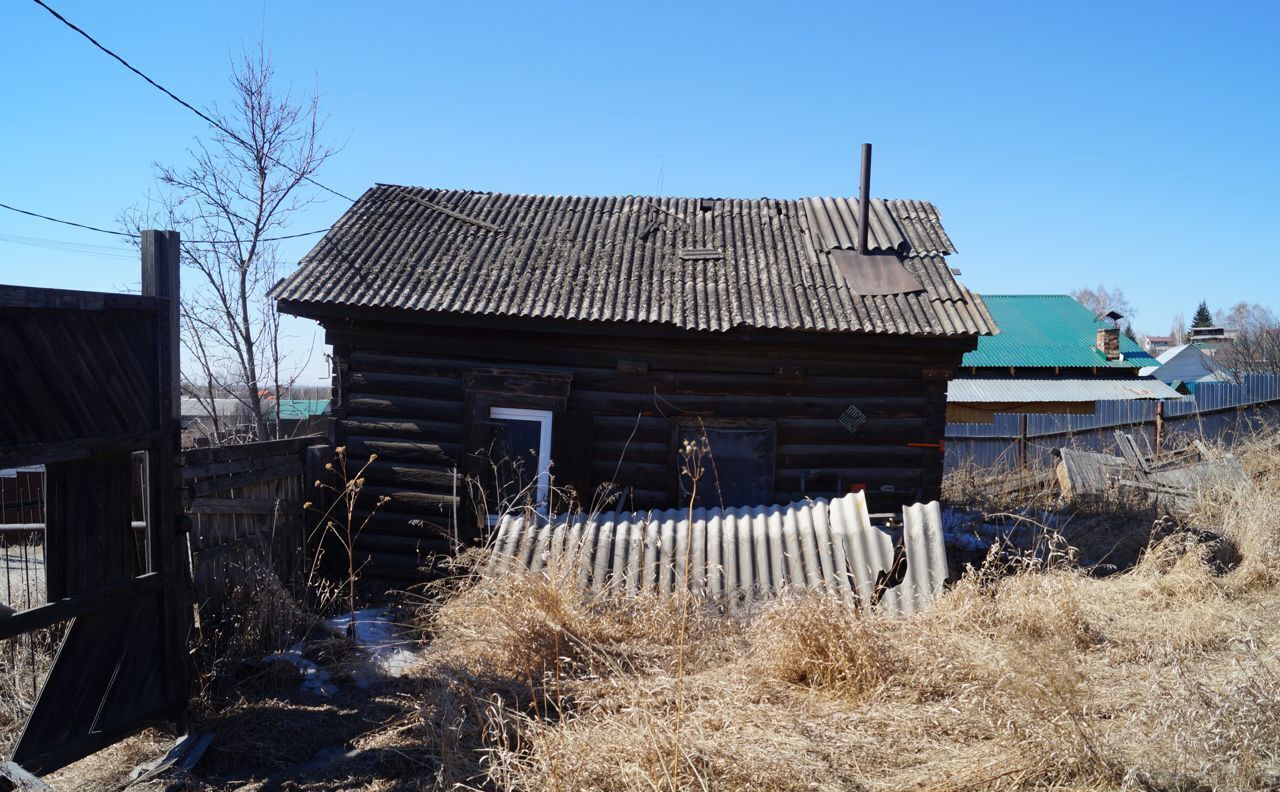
x: 739, y: 554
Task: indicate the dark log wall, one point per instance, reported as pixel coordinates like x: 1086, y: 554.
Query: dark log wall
x: 402, y: 393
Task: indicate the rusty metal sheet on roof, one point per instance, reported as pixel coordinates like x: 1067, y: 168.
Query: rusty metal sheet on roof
x: 624, y: 259
x: 880, y: 273
x: 741, y: 555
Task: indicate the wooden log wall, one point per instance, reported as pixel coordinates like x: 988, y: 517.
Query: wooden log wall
x: 401, y: 393
x: 245, y: 506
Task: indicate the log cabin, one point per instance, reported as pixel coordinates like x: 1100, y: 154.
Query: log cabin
x: 500, y: 351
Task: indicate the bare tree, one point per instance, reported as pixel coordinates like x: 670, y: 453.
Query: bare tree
x: 1256, y: 348
x: 1102, y: 301
x: 242, y: 187
x: 1178, y: 332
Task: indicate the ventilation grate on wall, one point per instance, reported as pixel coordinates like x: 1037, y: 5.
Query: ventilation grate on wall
x: 852, y: 419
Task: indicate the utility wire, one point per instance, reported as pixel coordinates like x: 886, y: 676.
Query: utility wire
x: 135, y: 236
x: 181, y: 101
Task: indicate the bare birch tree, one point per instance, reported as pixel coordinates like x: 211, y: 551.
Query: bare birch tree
x: 244, y: 183
x: 1256, y: 348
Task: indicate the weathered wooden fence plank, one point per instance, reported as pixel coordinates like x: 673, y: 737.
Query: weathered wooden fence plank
x: 245, y: 503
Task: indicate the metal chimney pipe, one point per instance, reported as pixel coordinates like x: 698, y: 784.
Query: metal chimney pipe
x: 864, y: 200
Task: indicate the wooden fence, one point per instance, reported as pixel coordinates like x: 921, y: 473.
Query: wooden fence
x: 1219, y: 412
x: 245, y: 506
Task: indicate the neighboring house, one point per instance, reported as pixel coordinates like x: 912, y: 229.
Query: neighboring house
x: 233, y: 419
x: 1185, y: 366
x: 203, y: 418
x: 1155, y: 345
x: 302, y: 416
x: 538, y: 342
x: 1211, y: 339
x: 1052, y: 355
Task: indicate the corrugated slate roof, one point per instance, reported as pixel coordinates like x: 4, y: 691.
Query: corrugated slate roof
x: 620, y: 260
x: 1013, y: 390
x: 1045, y: 331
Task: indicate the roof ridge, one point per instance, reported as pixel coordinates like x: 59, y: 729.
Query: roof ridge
x: 641, y: 196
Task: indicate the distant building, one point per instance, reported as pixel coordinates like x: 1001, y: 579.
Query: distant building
x: 228, y: 419
x: 1155, y: 345
x: 1211, y: 339
x: 1052, y: 355
x: 1183, y: 367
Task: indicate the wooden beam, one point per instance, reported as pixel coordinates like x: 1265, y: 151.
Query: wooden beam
x: 79, y: 605
x: 70, y: 450
x: 27, y: 297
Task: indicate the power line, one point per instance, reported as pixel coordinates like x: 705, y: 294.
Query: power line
x: 82, y: 248
x: 66, y: 222
x: 181, y: 101
x: 135, y: 236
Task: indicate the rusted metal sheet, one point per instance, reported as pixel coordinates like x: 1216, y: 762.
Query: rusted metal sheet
x: 878, y: 274
x: 740, y: 554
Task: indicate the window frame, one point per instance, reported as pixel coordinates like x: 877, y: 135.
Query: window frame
x: 545, y: 420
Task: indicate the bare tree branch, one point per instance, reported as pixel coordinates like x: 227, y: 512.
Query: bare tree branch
x: 237, y: 190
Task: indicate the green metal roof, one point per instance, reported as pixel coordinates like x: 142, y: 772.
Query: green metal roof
x: 1047, y: 331
x: 302, y: 408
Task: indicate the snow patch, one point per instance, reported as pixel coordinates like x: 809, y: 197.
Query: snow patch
x: 314, y: 679
x: 380, y: 638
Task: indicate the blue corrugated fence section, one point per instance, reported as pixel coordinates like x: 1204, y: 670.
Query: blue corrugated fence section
x: 1218, y: 411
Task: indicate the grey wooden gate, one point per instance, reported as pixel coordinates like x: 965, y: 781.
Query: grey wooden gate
x: 88, y: 382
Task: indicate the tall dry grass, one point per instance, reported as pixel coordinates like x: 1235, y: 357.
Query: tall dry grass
x: 1035, y: 676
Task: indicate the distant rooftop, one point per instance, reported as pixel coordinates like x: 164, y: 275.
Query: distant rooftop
x: 1048, y: 331
x: 1026, y: 391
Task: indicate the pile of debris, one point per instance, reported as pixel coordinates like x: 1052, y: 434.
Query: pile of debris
x: 1172, y: 479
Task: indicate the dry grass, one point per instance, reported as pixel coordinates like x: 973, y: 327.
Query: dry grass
x: 1163, y: 677
x: 1024, y: 675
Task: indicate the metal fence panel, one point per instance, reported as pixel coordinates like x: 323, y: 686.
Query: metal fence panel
x: 1219, y: 411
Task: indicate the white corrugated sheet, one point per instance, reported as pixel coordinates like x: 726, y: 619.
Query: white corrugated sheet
x: 1057, y: 390
x: 741, y: 554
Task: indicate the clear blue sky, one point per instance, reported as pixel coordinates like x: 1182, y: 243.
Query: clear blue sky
x: 1132, y: 145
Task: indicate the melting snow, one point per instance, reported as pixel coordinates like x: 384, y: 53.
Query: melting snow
x: 379, y: 637
x: 314, y: 679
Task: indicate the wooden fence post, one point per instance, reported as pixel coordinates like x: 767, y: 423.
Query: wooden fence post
x: 169, y: 553
x: 1159, y: 425
x: 1022, y: 442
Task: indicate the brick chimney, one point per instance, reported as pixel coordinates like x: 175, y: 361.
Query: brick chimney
x: 1109, y: 342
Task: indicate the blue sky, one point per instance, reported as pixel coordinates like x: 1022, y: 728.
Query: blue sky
x: 1131, y: 145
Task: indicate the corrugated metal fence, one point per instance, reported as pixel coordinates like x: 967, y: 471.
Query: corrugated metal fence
x: 1220, y: 411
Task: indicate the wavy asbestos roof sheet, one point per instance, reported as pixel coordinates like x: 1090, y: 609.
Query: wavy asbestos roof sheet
x: 1057, y: 390
x: 696, y: 264
x: 742, y: 555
